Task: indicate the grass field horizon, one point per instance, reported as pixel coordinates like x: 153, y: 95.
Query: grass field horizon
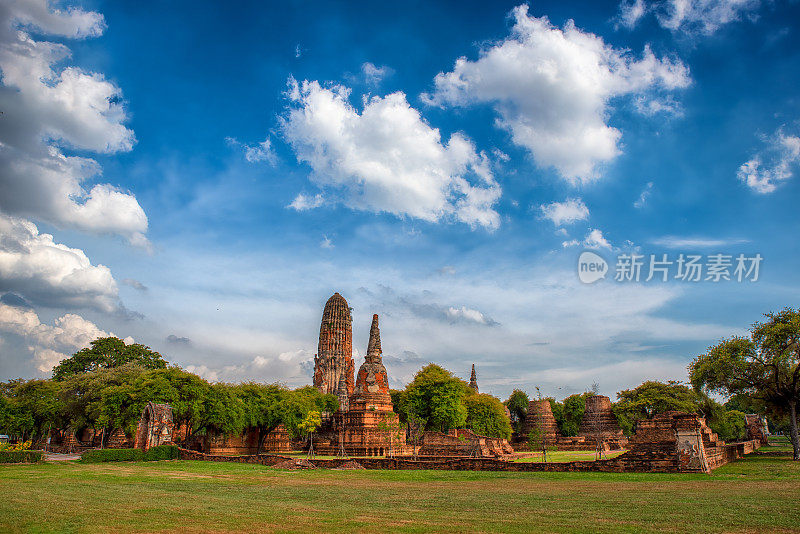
x: 758, y: 493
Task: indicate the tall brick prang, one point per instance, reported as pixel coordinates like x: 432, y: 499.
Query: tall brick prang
x: 473, y: 379
x: 599, y: 421
x: 333, y: 364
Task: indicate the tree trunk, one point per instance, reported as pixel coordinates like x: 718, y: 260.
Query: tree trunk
x: 793, y: 429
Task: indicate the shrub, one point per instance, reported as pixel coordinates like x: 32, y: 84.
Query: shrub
x: 163, y: 452
x: 19, y: 457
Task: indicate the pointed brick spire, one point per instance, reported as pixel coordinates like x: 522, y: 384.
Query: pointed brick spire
x: 473, y: 379
x: 374, y: 346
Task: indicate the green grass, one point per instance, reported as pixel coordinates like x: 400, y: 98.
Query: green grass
x: 755, y: 494
x: 566, y: 456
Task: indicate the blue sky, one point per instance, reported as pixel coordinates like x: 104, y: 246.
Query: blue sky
x: 201, y: 178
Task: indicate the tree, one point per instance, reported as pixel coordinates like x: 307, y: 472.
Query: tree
x: 32, y: 408
x: 765, y: 366
x: 105, y: 353
x: 435, y: 396
x: 308, y: 426
x: 517, y: 405
x: 651, y: 398
x: 569, y: 417
x: 486, y: 416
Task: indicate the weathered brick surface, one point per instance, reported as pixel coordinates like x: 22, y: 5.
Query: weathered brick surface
x: 333, y: 364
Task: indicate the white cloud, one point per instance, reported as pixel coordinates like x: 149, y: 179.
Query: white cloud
x: 568, y: 212
x: 644, y: 196
x: 387, y: 158
x: 326, y: 243
x: 695, y: 242
x: 688, y: 16
x: 552, y: 89
x: 305, y: 202
x: 47, y: 110
x: 468, y: 315
x: 374, y: 75
x: 257, y: 153
x: 49, y: 273
x: 765, y: 171
x: 49, y: 344
x: 594, y: 239
x: 630, y: 13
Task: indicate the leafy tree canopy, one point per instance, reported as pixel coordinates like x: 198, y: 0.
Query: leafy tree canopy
x: 764, y: 366
x: 435, y: 397
x: 517, y: 405
x: 105, y: 353
x: 486, y: 416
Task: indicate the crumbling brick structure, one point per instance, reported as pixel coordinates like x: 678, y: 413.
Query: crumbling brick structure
x: 333, y: 364
x: 757, y: 428
x: 541, y: 421
x: 599, y: 424
x: 155, y: 426
x: 463, y: 443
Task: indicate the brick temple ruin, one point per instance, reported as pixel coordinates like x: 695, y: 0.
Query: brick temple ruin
x: 599, y: 429
x: 366, y: 425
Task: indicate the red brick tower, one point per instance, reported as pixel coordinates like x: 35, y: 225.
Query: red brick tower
x: 372, y: 381
x: 333, y: 364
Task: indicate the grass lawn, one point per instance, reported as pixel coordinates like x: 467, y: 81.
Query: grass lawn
x: 755, y: 494
x: 566, y: 456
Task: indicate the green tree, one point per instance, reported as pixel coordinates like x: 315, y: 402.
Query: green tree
x: 652, y: 398
x: 572, y: 414
x: 105, y: 353
x: 517, y: 405
x: 487, y: 416
x: 436, y: 397
x: 310, y: 423
x: 765, y: 366
x: 32, y: 407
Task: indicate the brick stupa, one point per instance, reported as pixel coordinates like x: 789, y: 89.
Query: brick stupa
x: 540, y: 416
x: 333, y: 364
x: 367, y: 423
x: 599, y: 421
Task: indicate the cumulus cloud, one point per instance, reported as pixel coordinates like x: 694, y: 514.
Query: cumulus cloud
x: 688, y: 16
x: 374, y: 75
x: 568, y: 212
x: 49, y: 344
x: 258, y: 153
x: 594, y: 239
x: 387, y: 158
x: 47, y: 110
x: 765, y: 171
x: 468, y: 315
x: 552, y: 90
x: 291, y: 365
x: 306, y: 202
x: 640, y: 202
x: 49, y: 273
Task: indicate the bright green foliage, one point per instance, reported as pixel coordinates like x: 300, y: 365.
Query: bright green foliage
x: 569, y: 416
x: 487, y: 416
x: 653, y: 398
x: 765, y: 366
x: 435, y: 398
x: 517, y: 404
x: 311, y: 422
x: 29, y: 408
x: 105, y: 353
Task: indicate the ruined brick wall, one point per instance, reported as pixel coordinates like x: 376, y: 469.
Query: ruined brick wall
x: 155, y: 426
x: 757, y: 428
